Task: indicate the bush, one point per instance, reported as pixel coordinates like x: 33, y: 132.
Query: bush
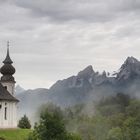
x: 24, y: 123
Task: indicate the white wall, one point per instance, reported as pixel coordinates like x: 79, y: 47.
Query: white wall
x: 10, y: 86
x: 11, y: 121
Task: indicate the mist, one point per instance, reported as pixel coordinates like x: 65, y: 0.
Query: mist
x: 87, y: 88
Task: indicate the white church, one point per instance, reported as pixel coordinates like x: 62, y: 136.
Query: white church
x: 8, y: 103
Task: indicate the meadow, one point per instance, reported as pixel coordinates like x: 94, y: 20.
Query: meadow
x: 14, y: 134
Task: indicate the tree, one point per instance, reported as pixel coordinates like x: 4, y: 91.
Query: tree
x: 133, y: 109
x: 132, y: 128
x: 24, y: 123
x: 123, y: 99
x: 51, y: 127
x: 115, y: 134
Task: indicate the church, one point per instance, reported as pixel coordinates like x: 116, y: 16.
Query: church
x: 8, y: 103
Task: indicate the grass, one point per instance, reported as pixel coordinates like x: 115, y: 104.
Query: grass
x: 14, y: 134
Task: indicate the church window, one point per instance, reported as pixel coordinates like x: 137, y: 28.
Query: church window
x: 0, y: 106
x: 5, y: 87
x: 5, y: 114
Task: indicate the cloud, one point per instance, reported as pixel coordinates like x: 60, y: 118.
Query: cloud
x: 86, y: 10
x: 54, y: 39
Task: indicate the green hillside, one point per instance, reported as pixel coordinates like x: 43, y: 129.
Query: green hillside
x: 14, y: 134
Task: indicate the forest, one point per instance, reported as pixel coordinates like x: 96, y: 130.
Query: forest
x: 112, y: 118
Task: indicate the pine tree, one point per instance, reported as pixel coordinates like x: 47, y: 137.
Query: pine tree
x: 24, y: 123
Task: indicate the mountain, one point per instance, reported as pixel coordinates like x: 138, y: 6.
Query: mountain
x: 30, y: 100
x: 86, y: 86
x: 19, y: 89
x: 129, y: 70
x: 90, y: 85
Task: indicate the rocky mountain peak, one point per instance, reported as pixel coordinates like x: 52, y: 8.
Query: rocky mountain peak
x: 131, y: 60
x: 88, y: 71
x: 130, y: 68
x: 131, y: 64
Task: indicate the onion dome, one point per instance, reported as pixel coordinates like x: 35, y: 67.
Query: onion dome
x: 7, y: 69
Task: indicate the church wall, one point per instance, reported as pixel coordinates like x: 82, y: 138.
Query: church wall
x: 10, y: 86
x: 8, y: 117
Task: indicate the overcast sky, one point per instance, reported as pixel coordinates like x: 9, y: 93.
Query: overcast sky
x: 54, y: 39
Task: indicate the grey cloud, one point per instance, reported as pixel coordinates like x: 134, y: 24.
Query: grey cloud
x: 61, y: 49
x: 87, y: 10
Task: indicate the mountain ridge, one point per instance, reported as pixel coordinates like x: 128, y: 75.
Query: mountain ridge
x: 85, y: 86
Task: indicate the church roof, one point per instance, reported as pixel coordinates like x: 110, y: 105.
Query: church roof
x: 5, y: 95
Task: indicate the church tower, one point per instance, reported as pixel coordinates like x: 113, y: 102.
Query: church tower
x: 7, y: 70
x: 8, y: 102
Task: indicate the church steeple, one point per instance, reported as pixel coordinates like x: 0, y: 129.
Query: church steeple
x: 7, y: 59
x: 7, y: 71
